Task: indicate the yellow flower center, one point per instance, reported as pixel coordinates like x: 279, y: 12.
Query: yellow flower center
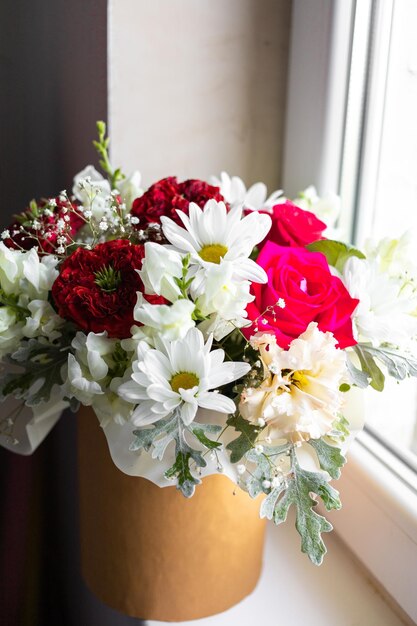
x: 183, y: 380
x: 299, y: 379
x: 213, y: 253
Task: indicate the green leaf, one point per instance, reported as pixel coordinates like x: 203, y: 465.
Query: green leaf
x: 246, y: 440
x: 358, y: 377
x: 200, y: 430
x: 399, y: 366
x: 145, y: 437
x: 330, y: 457
x: 181, y: 471
x: 336, y: 252
x: 310, y: 525
x: 269, y: 503
x: 340, y: 429
x: 369, y: 366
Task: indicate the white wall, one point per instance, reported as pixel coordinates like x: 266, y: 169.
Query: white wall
x: 197, y: 86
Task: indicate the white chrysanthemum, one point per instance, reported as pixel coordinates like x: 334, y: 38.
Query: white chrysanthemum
x: 299, y: 398
x: 179, y: 376
x: 234, y: 191
x: 160, y: 267
x: 170, y: 321
x: 212, y: 236
x: 386, y: 312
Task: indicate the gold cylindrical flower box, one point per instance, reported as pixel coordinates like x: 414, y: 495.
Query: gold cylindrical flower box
x: 151, y: 553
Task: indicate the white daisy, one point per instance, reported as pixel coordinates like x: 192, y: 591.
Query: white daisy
x: 213, y: 236
x: 234, y: 191
x: 179, y: 376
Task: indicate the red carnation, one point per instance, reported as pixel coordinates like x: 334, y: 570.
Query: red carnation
x: 292, y: 226
x: 38, y: 225
x: 97, y: 289
x: 168, y: 195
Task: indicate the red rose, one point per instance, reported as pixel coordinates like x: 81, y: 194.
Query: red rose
x: 45, y: 215
x: 96, y: 289
x: 310, y: 292
x: 292, y: 226
x: 168, y: 195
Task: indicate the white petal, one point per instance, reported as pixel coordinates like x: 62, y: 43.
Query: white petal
x: 216, y: 402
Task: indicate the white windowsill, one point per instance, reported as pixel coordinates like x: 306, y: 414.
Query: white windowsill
x: 378, y: 521
x: 292, y: 591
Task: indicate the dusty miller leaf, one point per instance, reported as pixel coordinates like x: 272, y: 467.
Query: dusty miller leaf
x: 310, y: 525
x: 246, y: 440
x: 330, y: 458
x: 38, y: 367
x: 369, y: 366
x: 184, y: 454
x: 145, y: 437
x: 358, y: 377
x: 200, y: 430
x: 269, y: 503
x: 399, y: 366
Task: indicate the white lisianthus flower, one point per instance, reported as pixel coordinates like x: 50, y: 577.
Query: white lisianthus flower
x: 326, y: 208
x: 234, y: 191
x: 110, y: 407
x: 92, y: 190
x: 222, y: 298
x: 396, y: 258
x: 179, y: 376
x: 213, y: 236
x: 25, y: 271
x: 89, y: 367
x: 40, y: 274
x: 170, y: 321
x: 130, y: 188
x: 160, y: 267
x: 11, y: 269
x: 10, y: 331
x: 43, y: 321
x: 91, y: 351
x: 386, y: 312
x: 299, y: 398
x: 79, y: 383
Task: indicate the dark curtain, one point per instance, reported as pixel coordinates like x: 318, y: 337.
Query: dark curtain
x: 53, y: 87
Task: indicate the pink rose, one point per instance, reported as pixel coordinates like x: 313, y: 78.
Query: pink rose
x: 292, y: 226
x: 310, y: 292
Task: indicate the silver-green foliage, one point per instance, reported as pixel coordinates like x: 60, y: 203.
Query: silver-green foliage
x: 156, y: 439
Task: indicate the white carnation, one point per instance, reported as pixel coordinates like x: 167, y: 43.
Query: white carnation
x: 299, y: 398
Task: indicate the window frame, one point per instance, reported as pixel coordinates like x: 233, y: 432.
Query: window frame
x: 378, y: 521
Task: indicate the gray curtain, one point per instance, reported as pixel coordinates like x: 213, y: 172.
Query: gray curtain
x: 53, y: 87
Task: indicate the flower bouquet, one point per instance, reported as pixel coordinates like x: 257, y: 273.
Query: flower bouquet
x: 212, y: 330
